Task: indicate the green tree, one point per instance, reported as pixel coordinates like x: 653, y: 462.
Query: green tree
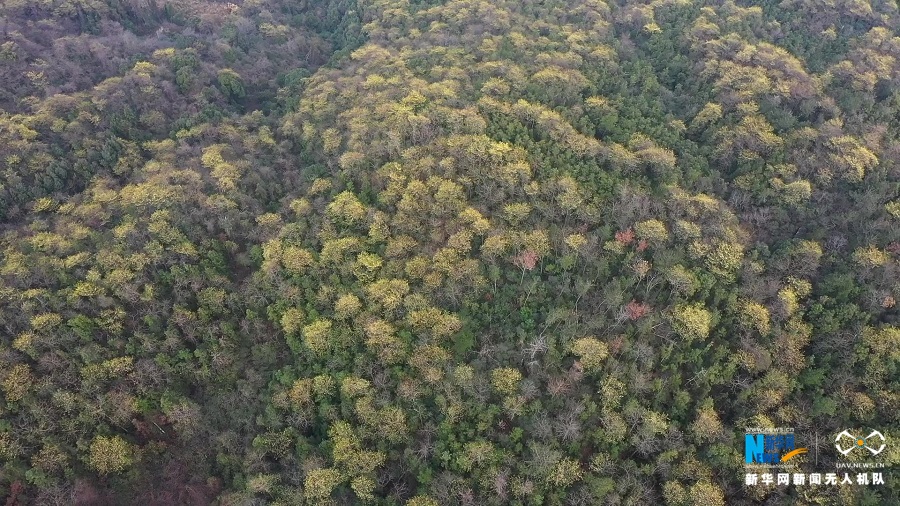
x: 231, y: 83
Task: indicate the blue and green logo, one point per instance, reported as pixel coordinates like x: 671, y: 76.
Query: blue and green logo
x: 775, y: 448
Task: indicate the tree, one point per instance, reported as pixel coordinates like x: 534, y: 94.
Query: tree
x: 653, y: 231
x: 381, y: 339
x: 388, y: 293
x: 724, y: 259
x: 110, y: 454
x: 346, y: 306
x: 422, y: 500
x: 320, y: 483
x: 636, y: 310
x: 349, y: 455
x: 705, y: 493
x: 690, y: 321
x: 794, y: 194
x: 754, y: 316
x: 870, y: 257
x: 292, y: 320
x: 505, y: 380
x: 565, y: 473
x: 17, y: 383
x: 851, y: 158
x: 296, y: 260
x: 526, y: 260
x: 591, y: 353
x: 317, y: 335
x: 707, y: 426
x: 231, y: 84
x: 168, y: 211
x: 346, y: 210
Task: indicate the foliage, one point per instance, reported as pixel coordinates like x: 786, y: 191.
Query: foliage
x: 441, y: 252
x: 110, y: 454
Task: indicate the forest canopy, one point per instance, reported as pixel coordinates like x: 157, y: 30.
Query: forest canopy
x: 444, y: 252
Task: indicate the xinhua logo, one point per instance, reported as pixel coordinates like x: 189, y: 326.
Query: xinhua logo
x: 770, y: 448
x: 846, y: 442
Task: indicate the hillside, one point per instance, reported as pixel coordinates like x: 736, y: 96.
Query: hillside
x: 436, y: 252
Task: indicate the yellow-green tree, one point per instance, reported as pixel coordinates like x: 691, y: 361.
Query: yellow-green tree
x: 110, y: 454
x: 506, y: 380
x: 320, y: 483
x: 591, y: 352
x: 690, y: 321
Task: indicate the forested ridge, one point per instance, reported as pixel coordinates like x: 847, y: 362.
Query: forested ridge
x: 428, y: 252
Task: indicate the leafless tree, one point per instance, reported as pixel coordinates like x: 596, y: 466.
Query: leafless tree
x: 537, y: 346
x: 542, y: 427
x: 501, y: 484
x: 568, y: 427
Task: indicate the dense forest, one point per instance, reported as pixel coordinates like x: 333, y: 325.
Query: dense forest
x: 443, y: 252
